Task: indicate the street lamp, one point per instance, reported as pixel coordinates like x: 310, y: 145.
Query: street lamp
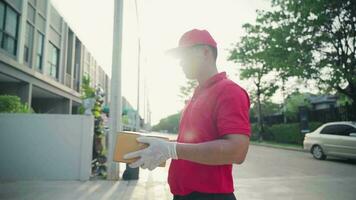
x: 115, y: 99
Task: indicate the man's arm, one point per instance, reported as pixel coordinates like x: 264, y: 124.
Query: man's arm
x: 232, y: 148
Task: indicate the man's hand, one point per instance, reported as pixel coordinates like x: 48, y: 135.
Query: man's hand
x: 158, y: 151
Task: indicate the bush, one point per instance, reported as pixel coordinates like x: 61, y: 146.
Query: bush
x: 254, y: 132
x: 265, y: 135
x: 12, y: 104
x: 286, y: 133
x: 290, y: 133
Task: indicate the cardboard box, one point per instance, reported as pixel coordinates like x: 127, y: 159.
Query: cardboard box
x: 126, y: 142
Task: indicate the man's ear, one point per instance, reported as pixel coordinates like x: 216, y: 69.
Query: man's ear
x: 206, y: 51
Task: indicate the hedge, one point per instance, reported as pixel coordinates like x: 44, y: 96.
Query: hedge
x: 284, y: 133
x: 12, y: 104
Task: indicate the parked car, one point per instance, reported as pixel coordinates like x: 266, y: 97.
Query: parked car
x: 332, y: 139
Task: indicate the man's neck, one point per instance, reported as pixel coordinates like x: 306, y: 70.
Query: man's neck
x: 206, y: 74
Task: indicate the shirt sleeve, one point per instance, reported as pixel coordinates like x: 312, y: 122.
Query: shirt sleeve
x: 232, y: 111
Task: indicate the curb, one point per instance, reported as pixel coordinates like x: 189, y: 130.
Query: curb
x: 280, y: 147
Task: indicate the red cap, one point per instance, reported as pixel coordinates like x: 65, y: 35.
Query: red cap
x: 194, y: 37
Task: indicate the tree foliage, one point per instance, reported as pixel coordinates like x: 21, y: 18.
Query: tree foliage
x: 170, y: 124
x: 87, y: 90
x: 307, y: 39
x: 313, y: 39
x: 294, y: 101
x: 187, y: 90
x: 249, y: 52
x: 12, y: 104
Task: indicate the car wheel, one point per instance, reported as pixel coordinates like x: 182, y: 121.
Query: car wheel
x: 318, y: 153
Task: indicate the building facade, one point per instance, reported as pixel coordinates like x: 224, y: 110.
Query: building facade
x: 42, y: 60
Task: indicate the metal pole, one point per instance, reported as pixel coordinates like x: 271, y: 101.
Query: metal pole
x: 138, y: 87
x: 115, y: 104
x: 138, y: 69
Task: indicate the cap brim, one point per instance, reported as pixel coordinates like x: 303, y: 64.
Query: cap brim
x: 175, y: 52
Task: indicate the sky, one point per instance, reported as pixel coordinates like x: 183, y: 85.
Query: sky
x: 159, y: 26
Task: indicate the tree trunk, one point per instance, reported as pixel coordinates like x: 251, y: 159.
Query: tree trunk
x: 260, y: 117
x: 353, y: 109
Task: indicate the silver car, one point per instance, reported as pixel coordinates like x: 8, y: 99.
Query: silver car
x: 332, y: 139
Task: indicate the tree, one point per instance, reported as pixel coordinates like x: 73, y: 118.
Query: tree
x: 250, y: 53
x: 313, y: 39
x: 87, y: 90
x: 293, y: 102
x: 187, y: 90
x: 170, y: 124
x: 267, y: 108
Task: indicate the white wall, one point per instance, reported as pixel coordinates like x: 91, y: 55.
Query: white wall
x: 45, y: 146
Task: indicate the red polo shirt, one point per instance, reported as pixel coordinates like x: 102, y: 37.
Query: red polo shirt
x: 218, y: 107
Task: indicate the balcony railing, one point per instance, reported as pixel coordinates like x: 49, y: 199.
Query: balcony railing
x: 68, y: 80
x: 76, y: 85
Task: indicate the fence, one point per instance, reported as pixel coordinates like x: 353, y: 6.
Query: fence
x: 45, y: 146
x: 342, y: 113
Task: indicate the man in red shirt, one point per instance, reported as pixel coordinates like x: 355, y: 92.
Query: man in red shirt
x: 214, y: 129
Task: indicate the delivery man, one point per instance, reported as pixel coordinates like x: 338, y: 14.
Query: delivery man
x: 214, y: 129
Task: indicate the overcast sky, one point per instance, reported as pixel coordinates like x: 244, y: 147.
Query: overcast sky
x: 162, y: 22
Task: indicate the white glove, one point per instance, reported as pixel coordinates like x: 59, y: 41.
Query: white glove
x: 158, y: 151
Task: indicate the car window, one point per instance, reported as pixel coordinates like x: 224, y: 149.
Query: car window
x: 329, y: 130
x: 345, y: 130
x: 352, y: 130
x: 340, y: 129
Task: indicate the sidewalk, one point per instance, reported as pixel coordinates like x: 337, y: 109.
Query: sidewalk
x: 151, y: 185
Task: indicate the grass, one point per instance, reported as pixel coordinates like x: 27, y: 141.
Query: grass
x: 276, y: 144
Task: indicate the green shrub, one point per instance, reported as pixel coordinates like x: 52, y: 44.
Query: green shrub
x: 290, y: 133
x: 266, y: 135
x: 286, y: 133
x: 12, y: 104
x: 314, y: 125
x: 283, y: 133
x: 254, y: 132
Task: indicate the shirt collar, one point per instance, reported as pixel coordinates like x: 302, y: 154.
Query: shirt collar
x: 211, y: 81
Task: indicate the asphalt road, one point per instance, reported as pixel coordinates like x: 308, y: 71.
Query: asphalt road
x: 270, y: 173
x: 267, y: 174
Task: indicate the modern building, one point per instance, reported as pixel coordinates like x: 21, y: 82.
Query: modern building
x: 42, y: 60
x: 320, y: 102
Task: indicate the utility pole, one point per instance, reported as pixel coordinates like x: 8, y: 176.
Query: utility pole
x: 138, y: 70
x: 133, y: 173
x: 116, y: 97
x: 138, y: 87
x: 144, y: 102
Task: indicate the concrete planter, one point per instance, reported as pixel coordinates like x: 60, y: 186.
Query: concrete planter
x: 45, y: 146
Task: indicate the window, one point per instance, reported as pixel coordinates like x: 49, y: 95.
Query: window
x: 342, y: 130
x: 33, y: 2
x: 8, y: 28
x: 351, y: 130
x: 53, y: 62
x: 2, y: 19
x: 70, y: 51
x: 28, y: 44
x: 41, y: 5
x: 31, y: 13
x: 39, y: 53
x: 329, y: 130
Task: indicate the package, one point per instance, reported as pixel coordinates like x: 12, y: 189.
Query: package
x: 126, y: 143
